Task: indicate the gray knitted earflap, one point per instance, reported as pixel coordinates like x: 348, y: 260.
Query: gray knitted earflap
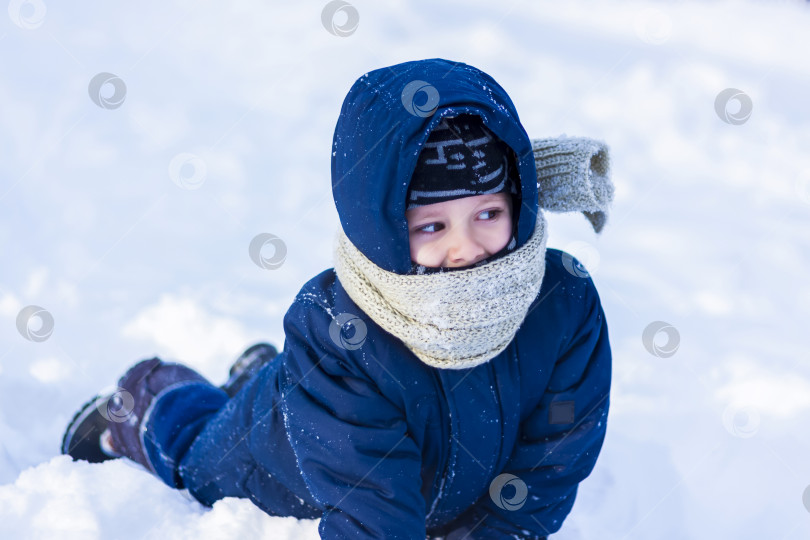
x: 573, y: 175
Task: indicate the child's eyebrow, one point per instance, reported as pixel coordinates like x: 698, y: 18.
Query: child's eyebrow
x: 490, y: 199
x: 425, y: 214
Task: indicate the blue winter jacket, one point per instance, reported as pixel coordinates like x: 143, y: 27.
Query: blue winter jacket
x: 355, y: 429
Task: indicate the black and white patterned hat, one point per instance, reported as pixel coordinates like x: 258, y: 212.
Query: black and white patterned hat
x: 461, y: 158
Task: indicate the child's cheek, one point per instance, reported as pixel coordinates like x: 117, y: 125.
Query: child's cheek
x: 502, y: 235
x: 414, y: 242
x: 423, y: 251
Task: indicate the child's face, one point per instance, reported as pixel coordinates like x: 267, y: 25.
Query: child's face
x: 460, y: 232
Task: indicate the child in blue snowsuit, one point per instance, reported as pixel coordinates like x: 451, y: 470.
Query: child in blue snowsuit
x: 448, y: 378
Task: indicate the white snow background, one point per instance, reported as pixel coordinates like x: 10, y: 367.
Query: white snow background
x: 709, y: 233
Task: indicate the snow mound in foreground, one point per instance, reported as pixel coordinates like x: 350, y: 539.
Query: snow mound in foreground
x: 66, y: 499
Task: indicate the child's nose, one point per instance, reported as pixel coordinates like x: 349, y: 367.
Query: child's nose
x: 463, y: 249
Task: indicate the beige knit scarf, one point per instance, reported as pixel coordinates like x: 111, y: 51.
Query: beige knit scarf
x: 452, y: 320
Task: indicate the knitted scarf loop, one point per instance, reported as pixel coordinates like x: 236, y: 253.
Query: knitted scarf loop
x: 452, y: 320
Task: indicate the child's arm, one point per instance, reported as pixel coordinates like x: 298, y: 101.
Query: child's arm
x: 552, y: 454
x: 351, y: 443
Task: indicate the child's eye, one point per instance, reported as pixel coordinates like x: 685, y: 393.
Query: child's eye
x: 490, y: 214
x: 430, y: 228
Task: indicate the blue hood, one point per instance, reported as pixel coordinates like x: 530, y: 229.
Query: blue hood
x: 380, y: 133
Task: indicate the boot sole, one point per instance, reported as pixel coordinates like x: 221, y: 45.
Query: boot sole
x: 82, y: 438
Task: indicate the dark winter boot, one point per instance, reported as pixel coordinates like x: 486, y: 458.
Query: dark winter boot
x: 106, y: 427
x: 247, y: 365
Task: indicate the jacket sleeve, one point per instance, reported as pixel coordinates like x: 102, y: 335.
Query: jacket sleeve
x: 351, y: 442
x: 558, y: 442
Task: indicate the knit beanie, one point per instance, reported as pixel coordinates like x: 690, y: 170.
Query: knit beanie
x: 461, y: 158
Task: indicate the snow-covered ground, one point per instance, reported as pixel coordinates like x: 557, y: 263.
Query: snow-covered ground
x: 130, y: 226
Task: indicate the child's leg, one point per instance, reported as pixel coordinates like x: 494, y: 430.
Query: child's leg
x: 244, y: 451
x: 188, y: 432
x: 87, y: 436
